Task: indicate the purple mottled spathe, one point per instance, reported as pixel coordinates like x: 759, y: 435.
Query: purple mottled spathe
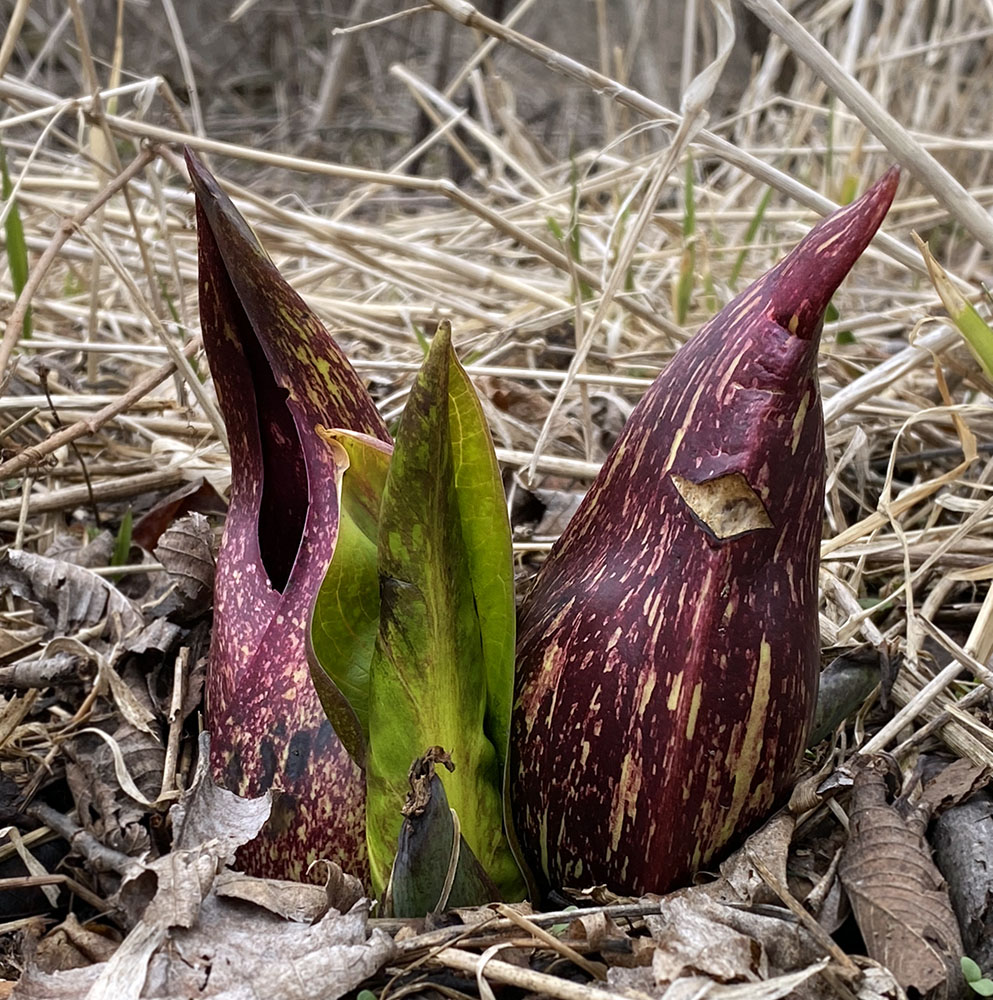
x: 667, y: 669
x: 277, y: 374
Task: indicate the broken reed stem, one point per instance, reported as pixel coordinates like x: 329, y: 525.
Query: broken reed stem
x: 66, y: 229
x: 595, y: 969
x: 484, y: 967
x: 961, y: 660
x: 180, y: 666
x: 38, y: 881
x: 34, y: 455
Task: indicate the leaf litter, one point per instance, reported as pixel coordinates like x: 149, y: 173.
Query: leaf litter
x: 102, y: 665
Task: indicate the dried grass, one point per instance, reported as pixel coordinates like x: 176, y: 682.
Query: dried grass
x: 908, y: 547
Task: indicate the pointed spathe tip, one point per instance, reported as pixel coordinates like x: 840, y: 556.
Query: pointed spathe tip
x: 219, y: 211
x: 802, y: 284
x: 204, y: 183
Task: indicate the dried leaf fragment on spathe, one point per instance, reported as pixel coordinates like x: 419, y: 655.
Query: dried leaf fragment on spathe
x: 898, y: 896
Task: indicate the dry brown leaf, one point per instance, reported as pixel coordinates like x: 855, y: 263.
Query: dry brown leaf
x: 69, y: 597
x: 197, y: 495
x: 954, y: 784
x: 72, y: 946
x: 112, y: 779
x: 300, y: 901
x: 190, y: 941
x: 713, y: 930
x: 186, y: 551
x: 233, y: 954
x: 898, y: 896
x: 207, y: 812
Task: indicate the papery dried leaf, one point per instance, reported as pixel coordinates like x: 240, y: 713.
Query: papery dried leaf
x: 898, y: 896
x: 70, y: 597
x: 299, y: 901
x: 186, y: 551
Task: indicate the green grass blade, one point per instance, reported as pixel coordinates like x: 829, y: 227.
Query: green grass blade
x: 969, y: 323
x: 687, y: 264
x: 750, y: 233
x: 17, y: 248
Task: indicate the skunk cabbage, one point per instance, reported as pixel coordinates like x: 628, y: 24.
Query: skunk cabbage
x: 668, y: 651
x: 277, y: 374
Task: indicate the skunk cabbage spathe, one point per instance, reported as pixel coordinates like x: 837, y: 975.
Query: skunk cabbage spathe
x: 277, y: 374
x: 668, y: 650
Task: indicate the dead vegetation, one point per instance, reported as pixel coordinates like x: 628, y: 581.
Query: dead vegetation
x: 569, y: 280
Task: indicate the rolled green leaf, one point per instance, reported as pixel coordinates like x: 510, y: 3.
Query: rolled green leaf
x: 435, y: 677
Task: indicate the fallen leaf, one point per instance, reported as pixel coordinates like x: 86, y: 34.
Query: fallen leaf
x: 69, y: 597
x: 197, y: 495
x: 189, y: 940
x: 221, y: 957
x: 186, y: 551
x: 208, y: 812
x: 954, y: 784
x: 300, y: 901
x: 898, y: 896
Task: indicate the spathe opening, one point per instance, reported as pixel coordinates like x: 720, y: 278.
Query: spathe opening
x: 285, y: 493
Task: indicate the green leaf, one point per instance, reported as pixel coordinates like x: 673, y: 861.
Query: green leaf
x: 122, y: 544
x: 17, y: 248
x: 430, y: 678
x: 345, y: 618
x: 750, y: 233
x: 687, y: 264
x: 970, y: 969
x: 963, y: 314
x: 489, y: 552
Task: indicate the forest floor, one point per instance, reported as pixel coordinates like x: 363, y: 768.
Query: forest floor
x: 570, y: 278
